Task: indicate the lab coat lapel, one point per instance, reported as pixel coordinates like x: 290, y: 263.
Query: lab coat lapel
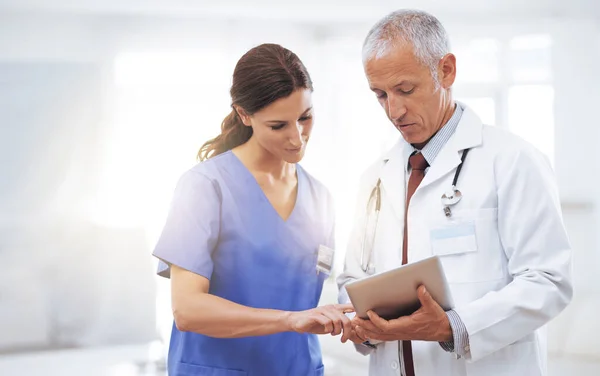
x: 467, y: 135
x: 393, y: 177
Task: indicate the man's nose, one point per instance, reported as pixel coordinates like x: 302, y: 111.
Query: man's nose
x: 396, y: 107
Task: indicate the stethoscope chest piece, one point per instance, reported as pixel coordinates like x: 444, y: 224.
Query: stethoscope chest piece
x: 451, y: 197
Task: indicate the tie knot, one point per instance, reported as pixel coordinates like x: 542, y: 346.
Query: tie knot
x: 418, y: 162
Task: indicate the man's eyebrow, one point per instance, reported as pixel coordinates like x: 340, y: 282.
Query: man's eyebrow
x: 403, y: 82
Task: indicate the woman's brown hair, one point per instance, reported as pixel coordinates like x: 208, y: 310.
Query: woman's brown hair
x: 263, y: 75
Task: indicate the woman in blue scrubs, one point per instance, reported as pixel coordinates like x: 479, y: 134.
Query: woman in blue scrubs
x: 244, y: 231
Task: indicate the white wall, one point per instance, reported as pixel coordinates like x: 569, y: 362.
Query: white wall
x: 577, y: 91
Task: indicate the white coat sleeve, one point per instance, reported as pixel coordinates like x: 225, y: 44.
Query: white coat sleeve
x: 538, y: 255
x: 352, y: 263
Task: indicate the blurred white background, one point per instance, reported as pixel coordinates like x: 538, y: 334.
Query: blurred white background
x: 103, y: 104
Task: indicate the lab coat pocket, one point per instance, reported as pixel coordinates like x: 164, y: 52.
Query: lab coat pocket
x: 468, y: 246
x: 454, y: 238
x: 187, y: 369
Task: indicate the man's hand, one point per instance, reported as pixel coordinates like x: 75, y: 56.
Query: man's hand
x: 351, y: 334
x: 428, y: 323
x: 353, y: 337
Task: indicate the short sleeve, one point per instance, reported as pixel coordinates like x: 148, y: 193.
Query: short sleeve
x: 191, y: 231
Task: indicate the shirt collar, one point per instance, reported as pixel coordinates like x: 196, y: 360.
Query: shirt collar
x: 434, y: 146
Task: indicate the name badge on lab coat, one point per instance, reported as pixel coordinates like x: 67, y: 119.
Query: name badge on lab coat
x: 325, y: 259
x: 454, y: 238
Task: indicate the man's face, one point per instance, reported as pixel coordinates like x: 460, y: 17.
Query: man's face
x: 406, y: 90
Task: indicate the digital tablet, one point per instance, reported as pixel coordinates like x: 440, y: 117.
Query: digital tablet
x: 393, y: 293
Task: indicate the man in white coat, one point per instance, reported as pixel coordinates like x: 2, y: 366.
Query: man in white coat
x: 503, y: 246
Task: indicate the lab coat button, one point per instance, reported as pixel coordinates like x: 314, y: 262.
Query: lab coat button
x: 394, y: 365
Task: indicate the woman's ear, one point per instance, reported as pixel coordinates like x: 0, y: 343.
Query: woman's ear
x: 243, y: 115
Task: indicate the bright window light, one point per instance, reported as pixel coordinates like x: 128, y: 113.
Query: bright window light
x: 484, y: 107
x: 530, y: 58
x: 167, y: 104
x: 530, y: 115
x: 531, y: 42
x: 477, y: 61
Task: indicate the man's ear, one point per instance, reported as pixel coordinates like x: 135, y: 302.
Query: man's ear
x: 243, y: 115
x: 447, y: 70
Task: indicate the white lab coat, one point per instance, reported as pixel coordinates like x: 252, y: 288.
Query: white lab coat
x: 516, y: 281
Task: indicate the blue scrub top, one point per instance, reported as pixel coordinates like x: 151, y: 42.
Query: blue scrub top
x: 222, y: 226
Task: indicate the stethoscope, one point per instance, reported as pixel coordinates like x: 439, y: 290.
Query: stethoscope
x: 449, y: 198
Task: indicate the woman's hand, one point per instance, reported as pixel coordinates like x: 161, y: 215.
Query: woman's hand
x: 328, y: 319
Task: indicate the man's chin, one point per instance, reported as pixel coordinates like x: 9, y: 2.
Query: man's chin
x: 417, y: 142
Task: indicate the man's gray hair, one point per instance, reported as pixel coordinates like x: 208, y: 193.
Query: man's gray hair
x: 422, y: 30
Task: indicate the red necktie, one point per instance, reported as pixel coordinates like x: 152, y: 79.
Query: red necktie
x: 418, y: 165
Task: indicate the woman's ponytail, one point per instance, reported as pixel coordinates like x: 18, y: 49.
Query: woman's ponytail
x: 233, y: 133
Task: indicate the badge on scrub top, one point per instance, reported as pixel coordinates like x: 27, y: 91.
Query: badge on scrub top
x: 325, y: 259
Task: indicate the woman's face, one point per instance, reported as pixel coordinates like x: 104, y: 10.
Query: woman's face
x: 283, y: 127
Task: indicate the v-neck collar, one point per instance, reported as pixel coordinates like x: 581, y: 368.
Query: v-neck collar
x: 253, y: 182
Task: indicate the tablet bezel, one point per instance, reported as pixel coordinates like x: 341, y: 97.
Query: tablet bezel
x: 393, y: 293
